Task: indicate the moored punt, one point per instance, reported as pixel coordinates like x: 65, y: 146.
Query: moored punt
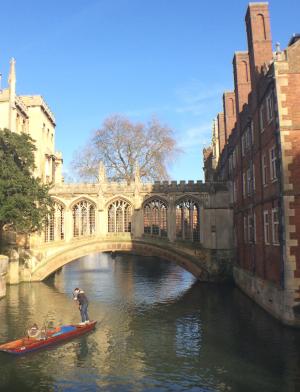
x: 58, y: 334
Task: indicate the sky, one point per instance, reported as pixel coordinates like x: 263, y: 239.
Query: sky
x: 171, y: 59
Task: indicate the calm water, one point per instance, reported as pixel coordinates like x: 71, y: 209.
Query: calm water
x: 159, y: 330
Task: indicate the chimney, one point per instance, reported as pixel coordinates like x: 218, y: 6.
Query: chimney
x: 242, y: 82
x: 229, y: 112
x: 259, y: 38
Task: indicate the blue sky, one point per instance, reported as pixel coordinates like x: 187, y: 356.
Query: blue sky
x: 168, y: 58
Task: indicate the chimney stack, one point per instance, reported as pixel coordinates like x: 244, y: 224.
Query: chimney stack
x: 229, y: 112
x: 221, y: 129
x: 242, y: 82
x: 259, y: 38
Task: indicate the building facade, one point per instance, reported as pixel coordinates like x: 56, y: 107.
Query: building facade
x: 258, y: 136
x: 31, y: 115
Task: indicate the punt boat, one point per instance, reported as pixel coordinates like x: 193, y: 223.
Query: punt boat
x: 53, y: 336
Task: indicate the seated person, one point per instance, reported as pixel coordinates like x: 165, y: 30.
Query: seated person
x: 34, y: 331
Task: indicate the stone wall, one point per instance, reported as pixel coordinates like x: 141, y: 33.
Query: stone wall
x: 273, y: 299
x: 3, y: 273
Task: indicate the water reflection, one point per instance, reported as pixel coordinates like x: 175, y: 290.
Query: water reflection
x: 158, y: 330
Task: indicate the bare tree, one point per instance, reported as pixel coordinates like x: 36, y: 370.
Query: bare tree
x: 121, y: 145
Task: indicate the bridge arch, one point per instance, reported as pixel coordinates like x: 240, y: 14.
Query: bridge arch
x: 75, y: 251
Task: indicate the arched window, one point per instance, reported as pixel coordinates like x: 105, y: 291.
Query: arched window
x: 155, y: 218
x: 119, y: 217
x: 187, y: 220
x: 54, y: 227
x: 83, y: 218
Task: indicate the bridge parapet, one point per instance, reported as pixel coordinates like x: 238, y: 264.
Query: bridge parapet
x: 157, y: 186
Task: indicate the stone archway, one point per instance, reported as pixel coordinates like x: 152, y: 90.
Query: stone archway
x: 68, y: 254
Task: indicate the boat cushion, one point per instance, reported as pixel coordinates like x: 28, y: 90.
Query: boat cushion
x: 65, y: 329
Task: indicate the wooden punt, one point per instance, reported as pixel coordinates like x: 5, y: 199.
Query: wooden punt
x: 56, y: 335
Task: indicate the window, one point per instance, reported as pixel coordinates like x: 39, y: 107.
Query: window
x: 252, y: 131
x: 230, y: 164
x: 253, y: 176
x: 48, y: 168
x: 155, y: 218
x: 243, y: 145
x: 83, y: 218
x: 234, y: 192
x: 188, y: 220
x: 119, y: 217
x: 54, y: 226
x: 244, y: 184
x: 236, y: 153
x: 264, y: 170
x: 270, y: 107
x: 250, y: 229
x: 266, y: 227
x: 261, y: 118
x: 245, y: 230
x: 234, y: 158
x: 275, y: 226
x: 249, y: 181
x: 254, y: 227
x: 248, y: 138
x: 273, y: 174
x: 23, y: 126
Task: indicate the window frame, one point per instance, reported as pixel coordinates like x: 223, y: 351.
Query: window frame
x: 275, y: 226
x: 264, y: 170
x: 245, y: 229
x: 261, y: 118
x: 273, y: 159
x: 266, y: 227
x: 270, y: 107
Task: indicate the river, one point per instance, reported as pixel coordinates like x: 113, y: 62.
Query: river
x: 158, y: 330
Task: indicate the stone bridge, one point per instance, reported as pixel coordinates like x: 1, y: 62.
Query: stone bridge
x: 206, y: 265
x: 185, y: 222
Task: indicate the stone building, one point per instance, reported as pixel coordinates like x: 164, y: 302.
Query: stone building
x: 260, y: 160
x: 30, y: 114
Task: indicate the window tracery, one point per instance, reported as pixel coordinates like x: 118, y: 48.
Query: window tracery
x: 54, y: 227
x: 119, y: 217
x: 187, y: 220
x: 155, y: 218
x: 83, y: 218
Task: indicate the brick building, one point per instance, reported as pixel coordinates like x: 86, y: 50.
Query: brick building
x: 256, y: 148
